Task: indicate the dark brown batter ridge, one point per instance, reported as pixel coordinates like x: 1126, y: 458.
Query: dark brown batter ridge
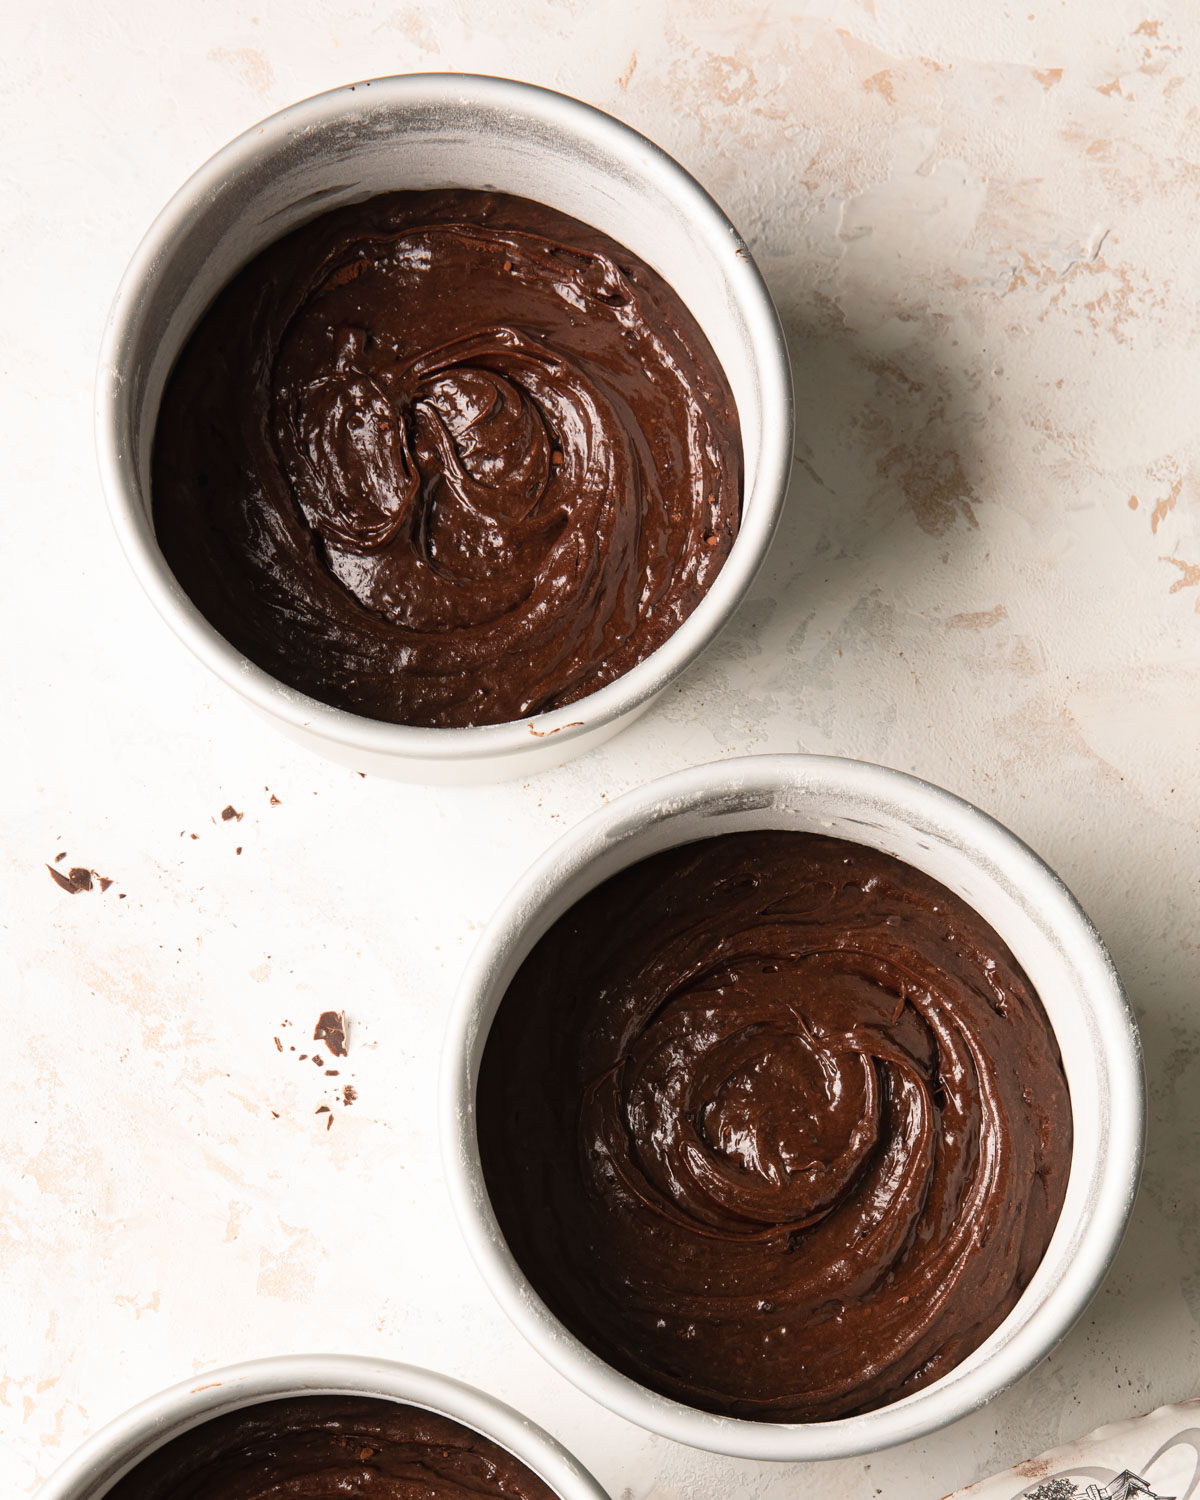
x: 447, y: 458
x: 330, y: 1448
x: 775, y: 1124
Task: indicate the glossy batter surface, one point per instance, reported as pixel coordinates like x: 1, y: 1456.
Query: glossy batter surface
x: 330, y: 1448
x: 775, y: 1125
x: 447, y: 458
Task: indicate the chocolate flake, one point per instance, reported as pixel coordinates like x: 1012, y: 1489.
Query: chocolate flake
x: 231, y: 812
x: 278, y: 1044
x: 75, y: 880
x: 58, y: 858
x: 331, y: 1029
x: 275, y: 800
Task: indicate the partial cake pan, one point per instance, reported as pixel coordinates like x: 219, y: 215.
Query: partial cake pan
x: 1012, y: 889
x: 92, y: 1471
x: 426, y: 131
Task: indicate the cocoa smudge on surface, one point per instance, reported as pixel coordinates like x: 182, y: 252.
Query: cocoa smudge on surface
x: 78, y: 878
x: 332, y: 1030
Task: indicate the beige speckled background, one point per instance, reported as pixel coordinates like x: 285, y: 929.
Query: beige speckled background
x: 981, y: 224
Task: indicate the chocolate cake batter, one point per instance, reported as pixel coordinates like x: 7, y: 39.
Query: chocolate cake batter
x: 330, y: 1448
x: 447, y: 458
x: 776, y: 1125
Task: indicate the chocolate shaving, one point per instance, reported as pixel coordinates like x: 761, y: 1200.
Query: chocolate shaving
x: 331, y: 1029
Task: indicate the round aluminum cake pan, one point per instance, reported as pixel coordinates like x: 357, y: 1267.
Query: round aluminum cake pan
x: 425, y: 131
x: 92, y: 1471
x: 972, y: 855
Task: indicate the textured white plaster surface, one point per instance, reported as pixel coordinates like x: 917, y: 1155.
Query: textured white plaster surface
x: 981, y: 223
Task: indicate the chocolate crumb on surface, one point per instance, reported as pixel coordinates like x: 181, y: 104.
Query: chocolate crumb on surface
x: 75, y: 880
x: 349, y: 1094
x: 231, y: 812
x: 278, y: 1044
x: 275, y: 800
x: 332, y: 1030
x: 105, y: 882
x: 58, y: 858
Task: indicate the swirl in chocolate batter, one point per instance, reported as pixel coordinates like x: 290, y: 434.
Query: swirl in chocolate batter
x: 776, y: 1125
x: 326, y: 1448
x: 447, y: 458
